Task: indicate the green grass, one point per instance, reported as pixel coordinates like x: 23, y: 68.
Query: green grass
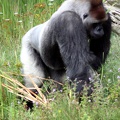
x: 16, y: 18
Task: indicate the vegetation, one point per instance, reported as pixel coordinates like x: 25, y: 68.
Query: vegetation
x: 16, y: 18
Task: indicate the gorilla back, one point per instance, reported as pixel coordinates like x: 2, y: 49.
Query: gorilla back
x: 72, y: 43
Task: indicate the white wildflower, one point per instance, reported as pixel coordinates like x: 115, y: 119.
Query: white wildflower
x: 110, y: 70
x: 1, y: 13
x: 7, y: 19
x: 118, y: 77
x: 16, y: 13
x: 20, y: 21
x: 51, y: 0
x: 118, y: 69
x: 50, y: 4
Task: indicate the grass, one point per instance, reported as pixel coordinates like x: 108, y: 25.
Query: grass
x: 16, y: 18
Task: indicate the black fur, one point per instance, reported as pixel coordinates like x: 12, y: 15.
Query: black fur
x: 101, y: 46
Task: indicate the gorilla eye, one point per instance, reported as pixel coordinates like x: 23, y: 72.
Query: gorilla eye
x: 85, y: 15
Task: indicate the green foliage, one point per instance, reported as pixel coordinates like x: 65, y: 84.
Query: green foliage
x: 16, y: 17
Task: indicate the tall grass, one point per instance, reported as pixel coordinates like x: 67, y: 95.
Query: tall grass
x: 16, y: 18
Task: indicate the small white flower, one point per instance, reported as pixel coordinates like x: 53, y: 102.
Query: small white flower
x: 1, y: 13
x: 50, y: 4
x: 91, y: 79
x: 36, y: 92
x: 51, y: 0
x: 104, y: 76
x: 20, y: 21
x: 19, y: 102
x: 89, y: 101
x: 110, y: 70
x: 109, y: 80
x: 54, y: 90
x: 37, y: 104
x: 118, y: 69
x: 16, y: 13
x: 7, y: 19
x: 33, y: 102
x: 61, y: 90
x: 12, y: 104
x: 118, y: 77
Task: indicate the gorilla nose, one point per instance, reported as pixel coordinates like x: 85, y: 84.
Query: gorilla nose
x: 99, y: 28
x: 99, y: 32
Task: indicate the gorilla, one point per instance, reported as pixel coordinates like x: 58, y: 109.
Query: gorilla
x: 72, y: 44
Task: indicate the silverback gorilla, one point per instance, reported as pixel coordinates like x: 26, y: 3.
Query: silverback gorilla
x: 72, y: 43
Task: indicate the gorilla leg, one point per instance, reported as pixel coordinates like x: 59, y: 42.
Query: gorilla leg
x: 33, y: 67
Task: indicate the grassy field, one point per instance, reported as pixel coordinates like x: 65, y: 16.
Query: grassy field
x: 16, y: 18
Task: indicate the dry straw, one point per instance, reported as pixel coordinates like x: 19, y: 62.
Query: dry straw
x: 15, y: 87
